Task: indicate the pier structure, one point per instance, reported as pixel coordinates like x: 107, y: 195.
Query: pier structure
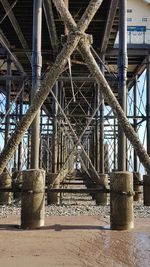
x: 74, y: 96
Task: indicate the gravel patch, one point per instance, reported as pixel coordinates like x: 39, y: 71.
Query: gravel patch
x: 7, y: 210
x: 75, y: 205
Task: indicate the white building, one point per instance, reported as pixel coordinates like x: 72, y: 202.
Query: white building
x: 138, y: 21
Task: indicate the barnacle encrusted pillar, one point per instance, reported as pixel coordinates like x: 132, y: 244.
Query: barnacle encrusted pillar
x: 33, y: 199
x: 121, y: 201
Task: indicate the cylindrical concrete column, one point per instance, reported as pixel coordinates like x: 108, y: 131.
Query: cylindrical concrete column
x: 137, y: 187
x: 53, y: 198
x: 146, y: 190
x: 121, y: 201
x: 102, y: 198
x: 33, y: 199
x: 5, y: 182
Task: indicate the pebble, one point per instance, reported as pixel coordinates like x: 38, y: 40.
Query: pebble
x: 71, y: 206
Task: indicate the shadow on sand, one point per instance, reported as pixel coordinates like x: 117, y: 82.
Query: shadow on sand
x: 55, y: 227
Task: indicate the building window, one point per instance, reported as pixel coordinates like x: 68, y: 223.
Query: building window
x: 129, y: 10
x: 129, y: 19
x: 144, y: 19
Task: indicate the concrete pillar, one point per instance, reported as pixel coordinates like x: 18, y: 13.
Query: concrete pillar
x: 53, y: 198
x: 102, y: 198
x: 33, y: 199
x: 121, y: 203
x: 136, y: 180
x: 146, y: 190
x: 5, y: 182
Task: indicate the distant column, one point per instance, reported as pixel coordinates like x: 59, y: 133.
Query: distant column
x: 122, y: 90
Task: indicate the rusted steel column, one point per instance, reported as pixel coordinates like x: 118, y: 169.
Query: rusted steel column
x: 97, y: 128
x: 102, y: 164
x: 7, y: 105
x: 5, y: 182
x: 102, y: 198
x: 121, y: 201
x: 48, y: 153
x: 148, y: 106
x: 55, y: 132
x: 33, y: 199
x: 36, y: 79
x: 29, y: 150
x: 20, y: 145
x: 137, y: 187
x: 92, y: 146
x: 135, y: 119
x: 146, y: 178
x: 106, y: 158
x: 115, y: 146
x: 122, y: 90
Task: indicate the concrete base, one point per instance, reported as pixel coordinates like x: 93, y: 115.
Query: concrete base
x: 146, y: 189
x: 5, y: 182
x: 136, y: 179
x: 53, y: 198
x: 33, y: 201
x: 121, y: 204
x: 102, y: 198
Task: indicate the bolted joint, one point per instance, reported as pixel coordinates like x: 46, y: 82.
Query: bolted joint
x: 88, y: 37
x: 36, y: 60
x: 123, y: 61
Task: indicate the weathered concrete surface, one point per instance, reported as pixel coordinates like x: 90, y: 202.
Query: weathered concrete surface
x: 74, y: 242
x: 5, y: 182
x: 33, y: 200
x: 121, y: 204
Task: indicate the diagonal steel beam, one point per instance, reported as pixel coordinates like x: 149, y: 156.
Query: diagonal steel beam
x: 84, y: 48
x: 52, y: 76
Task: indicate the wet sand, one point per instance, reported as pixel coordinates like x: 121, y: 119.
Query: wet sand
x: 74, y: 242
